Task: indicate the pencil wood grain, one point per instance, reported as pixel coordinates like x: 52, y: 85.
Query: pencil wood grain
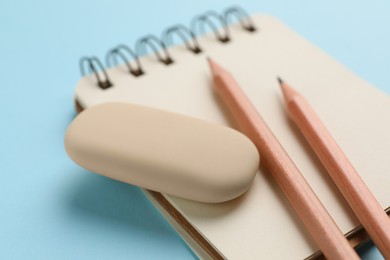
x: 359, y: 197
x: 302, y: 198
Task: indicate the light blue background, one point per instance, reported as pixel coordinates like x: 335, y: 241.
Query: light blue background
x: 52, y: 209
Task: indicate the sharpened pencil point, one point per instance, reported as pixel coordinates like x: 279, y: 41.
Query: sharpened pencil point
x: 288, y: 92
x: 215, y: 68
x: 279, y: 80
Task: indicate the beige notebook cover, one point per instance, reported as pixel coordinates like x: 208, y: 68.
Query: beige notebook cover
x: 261, y: 224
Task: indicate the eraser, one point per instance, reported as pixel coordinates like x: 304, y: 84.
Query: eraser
x: 163, y: 151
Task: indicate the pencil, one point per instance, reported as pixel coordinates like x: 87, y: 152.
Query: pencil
x: 308, y: 207
x: 356, y: 193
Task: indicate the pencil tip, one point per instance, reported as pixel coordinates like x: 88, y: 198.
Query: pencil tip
x: 288, y: 92
x: 215, y: 68
x: 279, y: 80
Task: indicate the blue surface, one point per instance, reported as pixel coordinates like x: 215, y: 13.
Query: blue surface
x: 51, y: 208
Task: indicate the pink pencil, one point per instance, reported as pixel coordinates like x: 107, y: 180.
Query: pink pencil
x: 359, y: 197
x: 302, y: 198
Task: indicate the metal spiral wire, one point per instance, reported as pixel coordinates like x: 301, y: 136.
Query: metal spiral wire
x: 242, y: 17
x: 187, y: 36
x: 121, y: 51
x: 92, y: 62
x: 218, y: 23
x: 209, y: 18
x: 151, y: 41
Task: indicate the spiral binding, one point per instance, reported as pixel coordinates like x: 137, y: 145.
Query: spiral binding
x: 92, y: 62
x: 189, y: 36
x: 118, y: 51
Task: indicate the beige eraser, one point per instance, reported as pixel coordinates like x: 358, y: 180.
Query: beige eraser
x: 163, y: 151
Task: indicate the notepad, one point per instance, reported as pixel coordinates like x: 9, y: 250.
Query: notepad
x: 260, y: 224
